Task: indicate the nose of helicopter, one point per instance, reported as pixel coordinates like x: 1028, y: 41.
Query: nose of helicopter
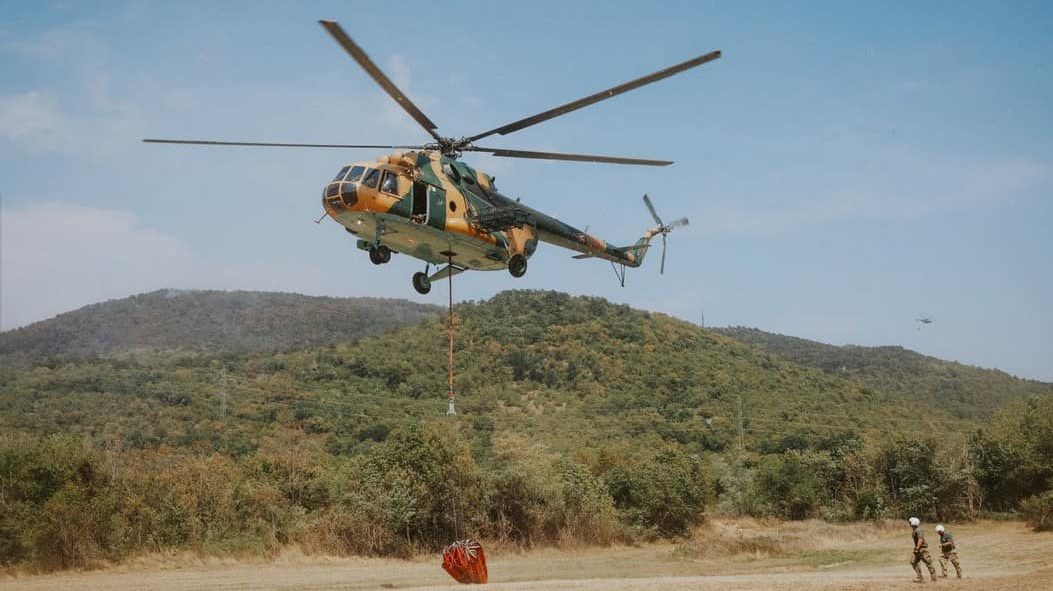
x: 339, y: 195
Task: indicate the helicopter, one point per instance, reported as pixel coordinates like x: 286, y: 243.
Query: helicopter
x: 423, y: 201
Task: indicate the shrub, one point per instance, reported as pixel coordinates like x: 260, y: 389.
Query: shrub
x: 535, y: 496
x: 789, y: 485
x: 664, y: 493
x: 586, y: 513
x: 60, y: 503
x: 869, y: 504
x: 422, y: 483
x: 1038, y: 511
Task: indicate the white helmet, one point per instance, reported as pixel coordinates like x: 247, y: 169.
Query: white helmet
x: 939, y: 528
x: 914, y: 521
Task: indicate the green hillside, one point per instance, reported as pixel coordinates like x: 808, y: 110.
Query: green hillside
x: 574, y: 372
x: 208, y: 321
x: 967, y: 392
x: 580, y: 422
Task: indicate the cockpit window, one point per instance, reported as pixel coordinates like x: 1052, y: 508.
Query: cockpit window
x: 340, y: 175
x: 390, y: 184
x: 356, y: 173
x: 371, y: 177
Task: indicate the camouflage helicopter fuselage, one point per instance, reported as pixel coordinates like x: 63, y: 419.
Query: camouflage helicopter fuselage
x: 426, y: 203
x: 439, y: 209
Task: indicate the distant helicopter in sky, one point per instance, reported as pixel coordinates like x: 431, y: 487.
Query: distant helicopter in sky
x: 924, y: 320
x: 423, y: 201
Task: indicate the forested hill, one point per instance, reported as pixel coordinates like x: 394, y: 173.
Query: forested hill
x: 969, y: 391
x: 215, y: 321
x: 577, y: 372
x: 579, y: 421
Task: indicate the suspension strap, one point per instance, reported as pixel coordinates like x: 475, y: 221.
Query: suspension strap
x: 451, y: 410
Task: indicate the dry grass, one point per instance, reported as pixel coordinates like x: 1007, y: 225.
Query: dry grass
x: 767, y: 538
x: 724, y: 555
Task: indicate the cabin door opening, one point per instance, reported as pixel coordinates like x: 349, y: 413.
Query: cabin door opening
x: 419, y: 212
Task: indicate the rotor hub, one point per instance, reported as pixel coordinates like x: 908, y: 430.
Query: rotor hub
x: 450, y: 146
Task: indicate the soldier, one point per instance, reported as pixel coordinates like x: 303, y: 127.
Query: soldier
x: 948, y: 551
x: 921, y: 552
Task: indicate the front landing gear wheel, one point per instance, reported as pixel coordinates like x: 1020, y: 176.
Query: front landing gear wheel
x: 517, y: 265
x: 379, y: 255
x: 421, y: 283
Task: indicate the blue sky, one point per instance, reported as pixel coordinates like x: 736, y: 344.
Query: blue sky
x: 846, y: 167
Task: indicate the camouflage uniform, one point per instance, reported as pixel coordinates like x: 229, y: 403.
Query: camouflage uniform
x: 948, y: 551
x: 921, y: 554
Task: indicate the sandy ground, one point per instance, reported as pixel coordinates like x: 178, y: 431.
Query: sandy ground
x: 995, y: 556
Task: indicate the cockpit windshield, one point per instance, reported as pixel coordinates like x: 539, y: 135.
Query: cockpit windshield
x: 340, y: 175
x: 371, y: 177
x: 356, y: 173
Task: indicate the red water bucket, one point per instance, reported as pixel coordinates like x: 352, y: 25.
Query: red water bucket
x: 465, y: 561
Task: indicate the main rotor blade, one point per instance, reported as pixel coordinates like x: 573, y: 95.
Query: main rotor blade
x: 599, y: 96
x: 277, y: 145
x: 367, y: 64
x: 564, y: 156
x: 677, y: 223
x: 650, y: 208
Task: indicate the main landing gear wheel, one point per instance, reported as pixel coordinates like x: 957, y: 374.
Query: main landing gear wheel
x: 517, y: 265
x: 421, y: 283
x: 379, y: 255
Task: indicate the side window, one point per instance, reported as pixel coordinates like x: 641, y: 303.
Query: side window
x: 466, y: 174
x: 340, y: 175
x: 356, y: 173
x: 371, y: 177
x: 390, y: 184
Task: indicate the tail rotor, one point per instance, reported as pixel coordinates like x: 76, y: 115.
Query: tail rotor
x: 663, y: 228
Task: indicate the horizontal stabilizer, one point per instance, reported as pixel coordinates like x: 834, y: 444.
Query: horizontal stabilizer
x: 582, y: 256
x: 445, y: 272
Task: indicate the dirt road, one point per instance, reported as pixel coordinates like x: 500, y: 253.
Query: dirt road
x: 996, y: 556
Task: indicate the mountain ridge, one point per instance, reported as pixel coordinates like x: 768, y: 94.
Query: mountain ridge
x: 896, y: 369
x: 208, y: 320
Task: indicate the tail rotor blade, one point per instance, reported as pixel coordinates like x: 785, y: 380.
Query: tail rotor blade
x: 678, y: 223
x: 662, y: 270
x: 650, y: 207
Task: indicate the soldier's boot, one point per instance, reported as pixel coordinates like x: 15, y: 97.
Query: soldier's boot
x: 918, y: 577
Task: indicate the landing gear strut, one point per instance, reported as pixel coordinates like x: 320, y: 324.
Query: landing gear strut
x: 421, y: 283
x: 517, y: 265
x: 379, y: 255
